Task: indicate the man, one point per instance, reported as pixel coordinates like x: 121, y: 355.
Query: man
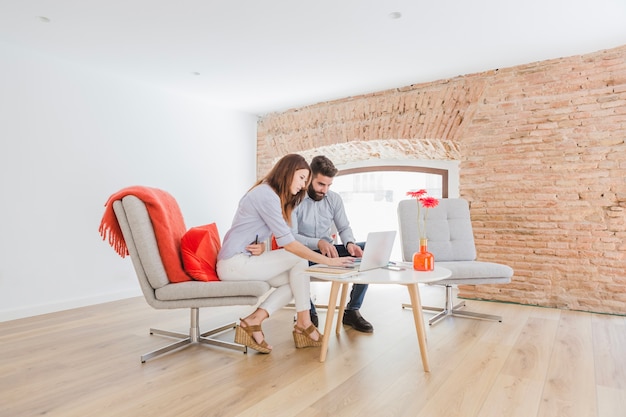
x: 311, y: 225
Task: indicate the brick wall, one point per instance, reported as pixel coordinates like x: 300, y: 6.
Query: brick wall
x: 542, y: 162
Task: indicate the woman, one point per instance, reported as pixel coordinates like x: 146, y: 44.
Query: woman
x: 265, y: 210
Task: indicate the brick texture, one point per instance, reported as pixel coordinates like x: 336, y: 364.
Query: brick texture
x: 542, y: 162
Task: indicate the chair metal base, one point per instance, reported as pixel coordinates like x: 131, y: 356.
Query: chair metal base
x: 194, y: 336
x: 457, y: 310
x: 317, y: 306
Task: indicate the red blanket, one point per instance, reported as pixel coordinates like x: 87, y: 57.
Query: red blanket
x: 167, y: 221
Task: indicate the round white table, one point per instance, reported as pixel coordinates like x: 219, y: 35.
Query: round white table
x: 408, y: 277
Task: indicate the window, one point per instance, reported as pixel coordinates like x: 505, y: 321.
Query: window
x: 371, y: 195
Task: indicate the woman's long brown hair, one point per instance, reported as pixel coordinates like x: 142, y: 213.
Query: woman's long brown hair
x: 280, y: 179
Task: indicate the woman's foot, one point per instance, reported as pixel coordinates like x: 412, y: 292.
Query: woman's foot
x: 302, y: 326
x: 258, y: 335
x: 251, y: 335
x: 307, y: 337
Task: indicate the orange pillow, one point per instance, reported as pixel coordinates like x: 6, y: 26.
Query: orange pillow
x: 199, y: 247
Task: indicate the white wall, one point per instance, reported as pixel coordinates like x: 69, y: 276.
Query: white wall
x: 69, y: 138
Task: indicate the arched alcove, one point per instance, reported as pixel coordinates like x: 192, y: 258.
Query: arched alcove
x: 392, y: 164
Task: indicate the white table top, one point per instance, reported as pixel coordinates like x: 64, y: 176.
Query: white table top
x: 387, y: 276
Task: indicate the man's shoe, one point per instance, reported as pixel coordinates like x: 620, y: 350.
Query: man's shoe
x: 353, y: 318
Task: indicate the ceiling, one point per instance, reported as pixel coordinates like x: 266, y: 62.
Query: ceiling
x: 262, y: 56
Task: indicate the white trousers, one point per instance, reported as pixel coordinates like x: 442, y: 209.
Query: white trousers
x: 283, y: 270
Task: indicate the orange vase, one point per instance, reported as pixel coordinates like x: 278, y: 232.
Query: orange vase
x: 423, y: 260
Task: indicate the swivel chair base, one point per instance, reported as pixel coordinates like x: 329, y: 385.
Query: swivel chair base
x: 194, y: 336
x: 457, y: 310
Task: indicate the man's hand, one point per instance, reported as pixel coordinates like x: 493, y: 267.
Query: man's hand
x: 327, y: 249
x: 354, y: 250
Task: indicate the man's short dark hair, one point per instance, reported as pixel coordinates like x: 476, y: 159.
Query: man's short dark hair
x: 322, y: 165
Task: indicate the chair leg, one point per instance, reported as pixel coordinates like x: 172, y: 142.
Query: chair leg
x: 456, y: 310
x: 194, y: 336
x: 165, y: 349
x: 317, y: 306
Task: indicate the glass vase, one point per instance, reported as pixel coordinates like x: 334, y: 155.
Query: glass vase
x: 423, y: 260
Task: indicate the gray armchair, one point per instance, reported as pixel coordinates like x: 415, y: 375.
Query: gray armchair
x: 451, y: 241
x: 139, y: 236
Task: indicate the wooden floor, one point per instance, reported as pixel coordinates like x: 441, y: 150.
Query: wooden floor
x: 537, y: 362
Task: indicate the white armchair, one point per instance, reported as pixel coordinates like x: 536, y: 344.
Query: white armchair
x: 451, y: 241
x: 148, y: 258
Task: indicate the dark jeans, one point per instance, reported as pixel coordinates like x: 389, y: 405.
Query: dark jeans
x: 358, y: 290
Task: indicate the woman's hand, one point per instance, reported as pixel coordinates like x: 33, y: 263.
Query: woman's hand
x: 346, y: 261
x: 256, y: 249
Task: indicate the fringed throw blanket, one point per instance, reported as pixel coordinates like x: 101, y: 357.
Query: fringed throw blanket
x: 167, y: 221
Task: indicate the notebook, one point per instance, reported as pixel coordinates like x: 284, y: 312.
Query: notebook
x: 376, y: 254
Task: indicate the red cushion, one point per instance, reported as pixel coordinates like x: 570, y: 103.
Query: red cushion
x: 275, y: 244
x: 199, y: 247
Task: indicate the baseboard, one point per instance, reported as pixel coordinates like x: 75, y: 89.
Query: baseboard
x: 36, y: 310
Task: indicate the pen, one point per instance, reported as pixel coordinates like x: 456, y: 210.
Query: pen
x: 256, y: 240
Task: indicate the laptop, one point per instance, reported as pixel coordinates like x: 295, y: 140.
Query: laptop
x: 376, y: 254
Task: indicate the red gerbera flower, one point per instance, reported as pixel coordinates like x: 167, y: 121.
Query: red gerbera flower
x: 427, y: 203
x: 416, y: 194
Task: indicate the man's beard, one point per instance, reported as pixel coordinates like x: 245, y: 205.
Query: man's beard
x: 314, y: 195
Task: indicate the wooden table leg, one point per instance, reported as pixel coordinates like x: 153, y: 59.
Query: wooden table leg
x: 342, y: 306
x: 416, y: 306
x: 330, y: 312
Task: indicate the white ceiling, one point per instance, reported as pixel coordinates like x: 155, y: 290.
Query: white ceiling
x: 261, y: 56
